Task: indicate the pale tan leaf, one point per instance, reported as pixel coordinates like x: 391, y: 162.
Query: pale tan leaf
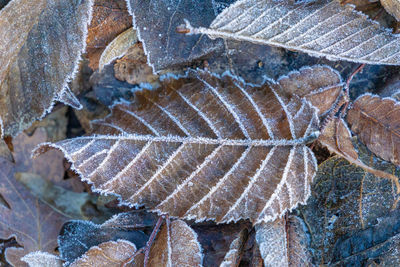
x: 202, y: 147
x: 107, y: 254
x: 40, y: 46
x: 176, y: 246
x: 392, y: 7
x: 118, y: 47
x: 376, y: 122
x: 232, y: 257
x: 320, y: 28
x: 283, y: 243
x: 42, y: 259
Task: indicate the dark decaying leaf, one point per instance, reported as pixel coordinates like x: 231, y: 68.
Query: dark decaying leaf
x: 176, y: 245
x: 319, y: 28
x: 107, y: 254
x: 34, y: 225
x: 40, y: 46
x: 76, y: 237
x: 376, y: 122
x: 345, y: 200
x: 202, y: 147
x: 283, y: 242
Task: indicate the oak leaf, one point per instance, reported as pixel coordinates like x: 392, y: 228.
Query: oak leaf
x: 41, y: 45
x: 107, y: 254
x: 283, y: 242
x: 320, y: 28
x: 375, y: 121
x: 34, y: 225
x: 206, y: 147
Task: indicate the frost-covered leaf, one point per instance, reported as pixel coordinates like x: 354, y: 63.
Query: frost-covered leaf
x: 110, y: 18
x: 176, y: 245
x: 40, y: 46
x: 42, y: 259
x: 118, y: 47
x: 345, y: 200
x: 202, y: 147
x: 34, y: 224
x: 376, y: 121
x: 232, y: 257
x: 283, y: 242
x: 108, y: 254
x: 392, y: 7
x: 76, y: 237
x: 320, y: 28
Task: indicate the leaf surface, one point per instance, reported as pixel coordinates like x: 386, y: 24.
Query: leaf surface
x: 283, y: 242
x: 41, y: 46
x: 376, y: 121
x: 319, y: 28
x: 107, y: 254
x: 42, y: 259
x: 232, y: 257
x: 181, y: 149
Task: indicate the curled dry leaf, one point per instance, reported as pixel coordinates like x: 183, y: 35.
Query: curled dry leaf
x: 376, y: 122
x: 107, y: 254
x: 203, y: 147
x: 319, y: 28
x: 34, y: 225
x: 42, y: 259
x: 392, y: 7
x: 283, y: 242
x: 118, y: 47
x: 41, y: 45
x: 176, y: 245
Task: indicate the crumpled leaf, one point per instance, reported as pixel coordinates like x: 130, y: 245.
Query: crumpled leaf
x: 320, y: 28
x: 41, y: 45
x: 392, y: 7
x: 345, y: 200
x: 375, y: 121
x: 182, y: 151
x: 34, y: 225
x: 283, y: 242
x: 232, y: 257
x: 107, y: 254
x: 110, y: 18
x: 42, y: 259
x: 76, y: 237
x: 176, y: 245
x: 118, y: 47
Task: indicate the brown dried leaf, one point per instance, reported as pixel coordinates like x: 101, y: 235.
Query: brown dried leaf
x: 202, y: 147
x: 107, y: 254
x: 176, y: 245
x: 319, y: 28
x: 283, y: 243
x: 110, y: 18
x: 34, y: 225
x: 118, y: 47
x: 376, y: 122
x: 40, y: 46
x: 392, y: 7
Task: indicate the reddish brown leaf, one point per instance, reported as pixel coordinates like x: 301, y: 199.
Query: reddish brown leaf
x: 376, y: 122
x: 34, y: 225
x: 203, y: 147
x: 110, y: 18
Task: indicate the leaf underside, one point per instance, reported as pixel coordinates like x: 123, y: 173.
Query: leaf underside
x: 319, y: 28
x: 205, y: 148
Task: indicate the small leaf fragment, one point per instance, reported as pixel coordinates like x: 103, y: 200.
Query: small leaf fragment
x: 392, y: 7
x: 42, y: 259
x: 232, y: 257
x: 320, y: 28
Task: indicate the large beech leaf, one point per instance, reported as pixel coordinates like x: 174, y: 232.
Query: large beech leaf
x: 34, y: 224
x: 202, y: 147
x: 40, y: 46
x: 283, y: 242
x: 320, y: 28
x: 107, y: 254
x: 376, y: 121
